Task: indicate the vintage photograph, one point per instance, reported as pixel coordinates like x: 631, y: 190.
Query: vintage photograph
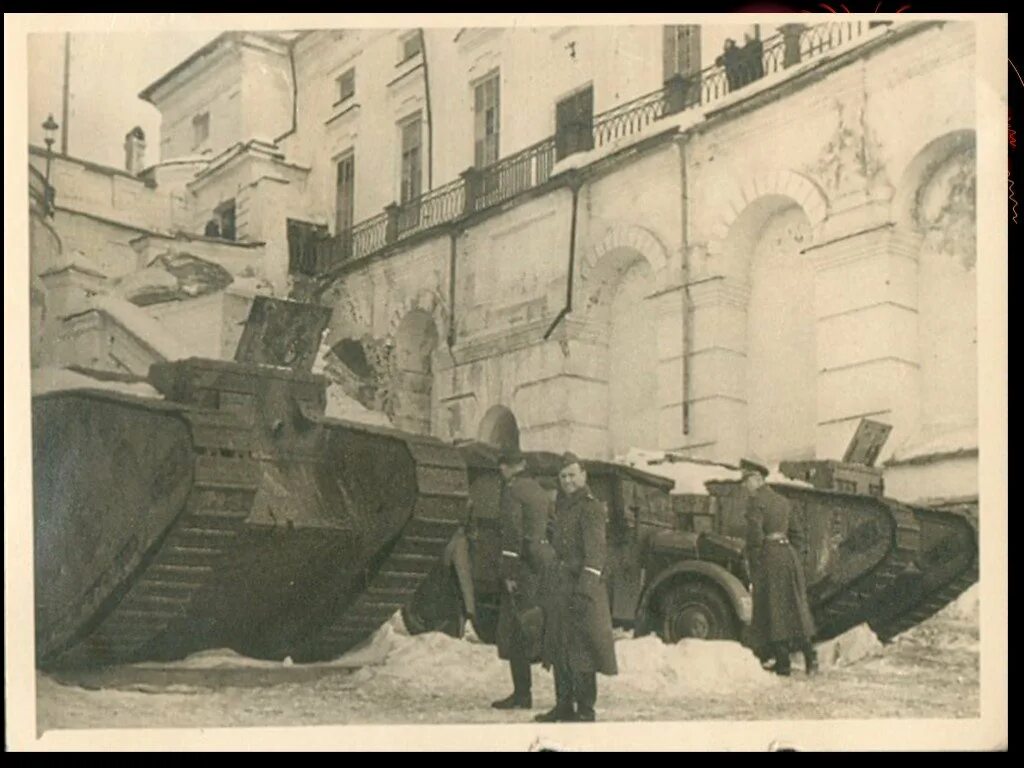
x: 522, y: 374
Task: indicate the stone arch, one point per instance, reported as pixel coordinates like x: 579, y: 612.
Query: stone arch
x: 620, y: 236
x: 778, y: 184
x: 412, y: 376
x: 774, y: 364
x: 936, y: 204
x: 499, y: 428
x: 425, y: 300
x: 921, y: 169
x: 617, y: 297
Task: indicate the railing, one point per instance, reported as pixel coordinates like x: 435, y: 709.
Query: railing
x: 824, y: 37
x: 481, y: 188
x: 513, y: 175
x: 438, y: 206
x: 369, y: 236
x: 630, y: 118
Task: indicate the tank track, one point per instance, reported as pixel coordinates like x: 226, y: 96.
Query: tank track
x: 409, y: 559
x: 935, y: 601
x: 184, y: 562
x: 854, y: 604
x: 851, y: 605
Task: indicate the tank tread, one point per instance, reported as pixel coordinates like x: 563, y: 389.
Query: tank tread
x: 183, y: 564
x: 849, y: 607
x: 436, y: 517
x: 935, y: 601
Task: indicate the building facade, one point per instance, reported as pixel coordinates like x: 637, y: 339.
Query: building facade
x: 598, y: 238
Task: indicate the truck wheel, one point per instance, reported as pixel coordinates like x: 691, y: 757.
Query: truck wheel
x: 436, y: 606
x: 453, y: 625
x: 697, y: 610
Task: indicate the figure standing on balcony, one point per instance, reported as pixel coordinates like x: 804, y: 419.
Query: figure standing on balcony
x: 732, y: 60
x: 753, y: 56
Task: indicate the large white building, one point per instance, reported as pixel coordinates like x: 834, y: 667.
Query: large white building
x: 590, y: 237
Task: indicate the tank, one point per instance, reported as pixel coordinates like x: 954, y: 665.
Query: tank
x: 215, y: 505
x: 677, y: 563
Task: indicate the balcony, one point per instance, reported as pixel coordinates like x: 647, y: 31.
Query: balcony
x: 314, y: 253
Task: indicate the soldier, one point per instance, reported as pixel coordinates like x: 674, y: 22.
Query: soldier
x: 578, y: 632
x: 523, y: 518
x: 782, y: 620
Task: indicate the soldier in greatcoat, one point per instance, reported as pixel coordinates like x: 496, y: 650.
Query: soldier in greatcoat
x: 578, y: 633
x: 522, y: 519
x: 782, y: 621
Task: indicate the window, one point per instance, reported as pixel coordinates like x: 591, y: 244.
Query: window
x: 574, y: 123
x: 412, y: 157
x: 224, y: 217
x: 346, y: 85
x: 345, y: 200
x: 487, y: 121
x: 411, y: 46
x: 681, y: 50
x: 200, y: 129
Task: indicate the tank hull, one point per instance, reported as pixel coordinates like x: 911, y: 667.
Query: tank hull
x: 230, y: 514
x: 871, y: 559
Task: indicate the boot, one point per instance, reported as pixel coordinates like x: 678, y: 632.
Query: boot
x: 783, y: 665
x: 560, y: 714
x: 810, y: 661
x: 585, y: 715
x: 515, y: 701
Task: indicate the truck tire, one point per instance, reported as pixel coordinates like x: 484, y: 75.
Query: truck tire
x: 436, y: 607
x: 696, y: 609
x: 453, y: 626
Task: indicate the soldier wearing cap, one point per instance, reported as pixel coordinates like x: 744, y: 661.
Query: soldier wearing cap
x: 523, y: 519
x: 782, y: 621
x: 578, y: 633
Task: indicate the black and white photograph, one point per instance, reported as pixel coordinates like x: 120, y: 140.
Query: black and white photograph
x: 541, y: 381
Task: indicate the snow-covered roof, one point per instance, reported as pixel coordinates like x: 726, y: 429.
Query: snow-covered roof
x: 62, y: 379
x: 149, y: 331
x: 690, y: 474
x: 955, y: 440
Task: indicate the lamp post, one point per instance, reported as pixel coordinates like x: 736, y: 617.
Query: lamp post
x: 49, y: 136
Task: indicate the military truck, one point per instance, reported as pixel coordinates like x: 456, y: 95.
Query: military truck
x: 677, y: 562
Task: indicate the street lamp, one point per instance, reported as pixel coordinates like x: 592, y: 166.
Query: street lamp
x: 49, y: 136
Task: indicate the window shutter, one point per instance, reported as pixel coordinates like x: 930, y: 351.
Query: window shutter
x: 585, y: 119
x: 563, y: 128
x: 691, y: 63
x: 668, y: 51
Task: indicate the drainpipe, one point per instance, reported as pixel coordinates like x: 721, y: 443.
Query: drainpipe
x: 453, y: 235
x: 430, y: 117
x: 575, y: 183
x: 295, y: 94
x: 687, y: 324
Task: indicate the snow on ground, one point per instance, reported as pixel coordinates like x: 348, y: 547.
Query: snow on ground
x: 929, y: 671
x: 648, y: 665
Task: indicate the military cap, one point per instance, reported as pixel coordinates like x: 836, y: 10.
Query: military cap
x: 568, y: 459
x: 748, y: 467
x: 510, y: 456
